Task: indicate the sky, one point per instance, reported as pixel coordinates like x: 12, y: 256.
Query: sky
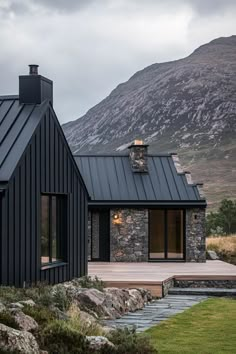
x: 88, y: 47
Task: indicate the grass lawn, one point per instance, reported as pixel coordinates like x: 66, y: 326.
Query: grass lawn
x: 206, y: 328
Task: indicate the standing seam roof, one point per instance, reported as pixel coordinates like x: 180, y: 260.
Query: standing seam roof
x: 17, y: 122
x: 109, y: 178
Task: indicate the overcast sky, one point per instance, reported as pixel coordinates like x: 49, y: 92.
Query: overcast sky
x: 88, y: 47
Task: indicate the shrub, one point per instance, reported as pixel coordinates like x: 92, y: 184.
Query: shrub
x: 10, y: 294
x: 8, y: 320
x: 89, y: 282
x: 85, y: 327
x: 127, y: 341
x: 40, y: 314
x: 60, y: 298
x: 58, y: 337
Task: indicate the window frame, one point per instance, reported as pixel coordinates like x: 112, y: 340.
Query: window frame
x: 63, y: 230
x: 166, y: 259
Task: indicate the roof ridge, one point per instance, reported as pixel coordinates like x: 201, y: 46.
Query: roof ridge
x: 121, y: 155
x: 9, y: 97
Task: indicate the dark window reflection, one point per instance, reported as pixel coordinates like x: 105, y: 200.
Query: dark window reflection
x: 53, y: 228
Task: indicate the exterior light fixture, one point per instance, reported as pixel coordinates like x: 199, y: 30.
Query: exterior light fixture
x: 115, y: 216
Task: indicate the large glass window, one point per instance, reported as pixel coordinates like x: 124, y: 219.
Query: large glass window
x: 53, y: 228
x: 157, y: 234
x: 166, y: 234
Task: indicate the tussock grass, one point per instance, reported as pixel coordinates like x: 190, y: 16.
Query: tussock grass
x: 224, y: 246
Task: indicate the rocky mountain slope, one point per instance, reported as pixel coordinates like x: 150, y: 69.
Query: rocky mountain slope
x: 187, y: 105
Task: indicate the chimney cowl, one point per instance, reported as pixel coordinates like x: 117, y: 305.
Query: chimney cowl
x: 33, y: 69
x: 138, y: 154
x: 34, y: 88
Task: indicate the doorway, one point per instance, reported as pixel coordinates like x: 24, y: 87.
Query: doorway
x: 166, y: 234
x: 100, y: 245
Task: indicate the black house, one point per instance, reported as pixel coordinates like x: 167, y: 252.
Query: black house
x: 143, y: 207
x: 43, y: 200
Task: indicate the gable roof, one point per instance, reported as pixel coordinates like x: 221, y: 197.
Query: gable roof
x: 110, y: 180
x: 17, y: 124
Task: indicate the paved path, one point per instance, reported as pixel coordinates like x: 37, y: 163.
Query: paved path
x: 156, y: 312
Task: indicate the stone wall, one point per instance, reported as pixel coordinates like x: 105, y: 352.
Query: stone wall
x: 195, y: 235
x: 216, y: 283
x: 129, y: 235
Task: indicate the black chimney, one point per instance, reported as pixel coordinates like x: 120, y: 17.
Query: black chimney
x: 138, y: 156
x: 34, y: 88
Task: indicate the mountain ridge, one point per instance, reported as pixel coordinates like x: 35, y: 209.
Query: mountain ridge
x: 187, y: 105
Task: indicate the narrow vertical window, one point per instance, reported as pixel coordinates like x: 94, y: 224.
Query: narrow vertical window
x: 53, y: 228
x: 45, y: 229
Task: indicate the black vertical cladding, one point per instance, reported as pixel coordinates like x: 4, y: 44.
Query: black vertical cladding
x: 46, y: 166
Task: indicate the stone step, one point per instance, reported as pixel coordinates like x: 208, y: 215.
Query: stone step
x: 202, y: 291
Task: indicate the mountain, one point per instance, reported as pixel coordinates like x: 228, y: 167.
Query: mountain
x: 186, y: 106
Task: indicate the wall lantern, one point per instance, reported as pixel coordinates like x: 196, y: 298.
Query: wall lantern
x: 116, y: 219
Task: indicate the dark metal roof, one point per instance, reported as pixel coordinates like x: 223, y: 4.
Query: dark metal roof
x: 17, y: 124
x: 110, y: 180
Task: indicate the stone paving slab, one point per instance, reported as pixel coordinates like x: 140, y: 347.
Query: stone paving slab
x: 156, y: 312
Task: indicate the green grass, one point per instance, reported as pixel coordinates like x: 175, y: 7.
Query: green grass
x: 207, y: 328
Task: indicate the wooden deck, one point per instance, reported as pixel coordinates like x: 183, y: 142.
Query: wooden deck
x: 153, y: 275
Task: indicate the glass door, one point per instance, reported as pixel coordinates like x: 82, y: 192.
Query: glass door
x: 166, y: 234
x: 157, y: 234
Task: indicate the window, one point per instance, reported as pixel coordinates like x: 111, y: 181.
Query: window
x: 53, y: 228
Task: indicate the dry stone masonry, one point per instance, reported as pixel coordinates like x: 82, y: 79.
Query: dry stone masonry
x: 195, y: 235
x: 129, y: 235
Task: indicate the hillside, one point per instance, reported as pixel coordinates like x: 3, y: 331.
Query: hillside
x: 187, y: 105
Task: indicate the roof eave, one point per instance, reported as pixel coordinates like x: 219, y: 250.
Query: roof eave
x: 197, y: 203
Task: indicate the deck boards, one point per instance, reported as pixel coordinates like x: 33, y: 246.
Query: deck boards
x: 152, y: 275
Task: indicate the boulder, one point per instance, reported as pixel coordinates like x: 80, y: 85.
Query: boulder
x: 20, y: 341
x: 87, y: 318
x: 16, y: 305
x: 2, y: 307
x: 29, y: 302
x: 212, y: 255
x: 135, y: 300
x: 25, y: 322
x: 22, y: 304
x: 98, y: 342
x: 146, y: 294
x: 112, y: 302
x: 116, y: 301
x: 92, y: 301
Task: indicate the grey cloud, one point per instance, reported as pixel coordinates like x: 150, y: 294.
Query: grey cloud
x: 65, y: 5
x: 211, y: 7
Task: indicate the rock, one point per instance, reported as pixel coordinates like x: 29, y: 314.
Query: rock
x: 212, y: 255
x: 98, y: 342
x: 28, y: 303
x: 20, y: 341
x: 25, y: 322
x: 146, y: 294
x: 135, y: 300
x: 60, y: 315
x: 2, y: 307
x: 113, y: 302
x: 92, y: 300
x: 17, y: 305
x: 87, y: 318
